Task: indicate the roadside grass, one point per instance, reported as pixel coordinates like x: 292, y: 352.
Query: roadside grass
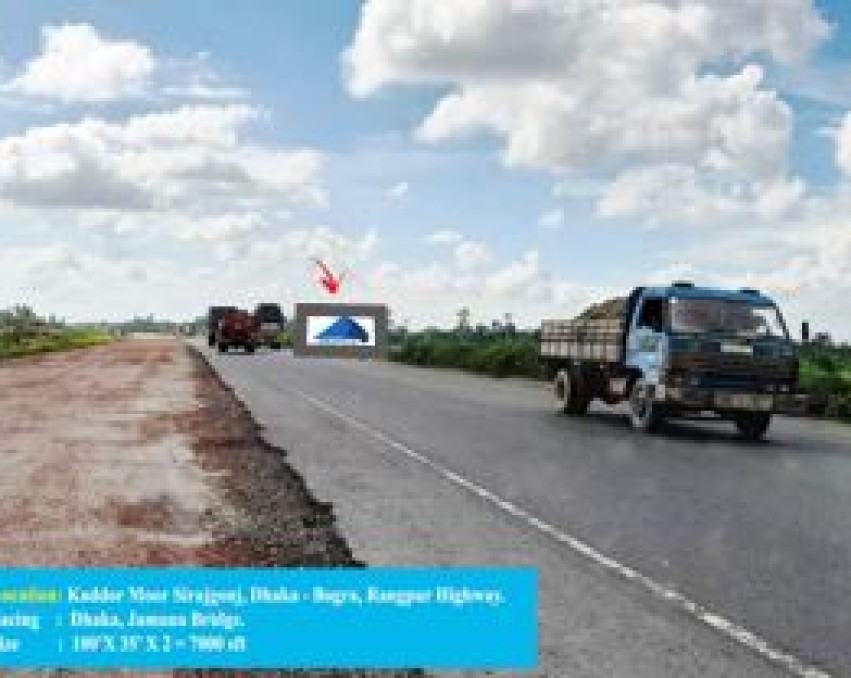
x: 65, y: 339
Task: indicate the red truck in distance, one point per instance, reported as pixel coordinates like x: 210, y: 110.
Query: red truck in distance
x: 237, y: 329
x: 214, y: 316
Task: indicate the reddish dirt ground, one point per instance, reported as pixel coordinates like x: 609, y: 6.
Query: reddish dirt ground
x: 84, y: 480
x: 136, y: 454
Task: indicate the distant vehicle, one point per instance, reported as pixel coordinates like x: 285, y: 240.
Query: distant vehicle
x: 214, y: 315
x: 676, y: 351
x: 237, y: 329
x: 271, y: 323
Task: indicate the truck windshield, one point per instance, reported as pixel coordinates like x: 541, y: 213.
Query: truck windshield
x: 269, y: 314
x: 739, y: 318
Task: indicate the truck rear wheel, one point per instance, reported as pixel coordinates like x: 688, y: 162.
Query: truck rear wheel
x: 249, y: 348
x: 753, y: 425
x: 569, y: 394
x: 645, y: 414
x: 223, y: 347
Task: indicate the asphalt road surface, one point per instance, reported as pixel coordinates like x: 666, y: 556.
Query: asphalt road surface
x: 727, y: 558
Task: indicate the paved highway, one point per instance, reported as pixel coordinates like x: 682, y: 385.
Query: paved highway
x: 726, y: 558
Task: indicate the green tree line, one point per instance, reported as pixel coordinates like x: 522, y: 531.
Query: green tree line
x: 499, y: 354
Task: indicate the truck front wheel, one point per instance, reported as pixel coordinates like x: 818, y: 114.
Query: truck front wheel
x: 569, y: 394
x: 753, y: 425
x: 645, y: 414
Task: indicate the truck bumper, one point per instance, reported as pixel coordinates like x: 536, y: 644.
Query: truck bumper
x: 268, y: 333
x: 239, y: 339
x: 691, y: 398
x: 796, y: 404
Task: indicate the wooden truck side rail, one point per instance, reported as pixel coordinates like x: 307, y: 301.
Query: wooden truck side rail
x: 580, y: 339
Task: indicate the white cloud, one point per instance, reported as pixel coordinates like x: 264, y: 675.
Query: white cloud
x: 680, y: 194
x: 520, y: 277
x: 193, y: 157
x: 204, y: 92
x: 195, y: 79
x: 803, y: 261
x: 82, y: 285
x: 714, y: 122
x: 399, y: 190
x: 400, y: 41
x: 680, y: 270
x: 552, y: 219
x: 226, y: 234
x: 50, y: 266
x: 247, y: 265
x: 302, y: 245
x: 113, y: 193
x: 843, y: 145
x: 431, y: 293
x: 470, y: 254
x: 559, y: 106
x: 444, y: 237
x: 430, y: 279
x: 78, y: 64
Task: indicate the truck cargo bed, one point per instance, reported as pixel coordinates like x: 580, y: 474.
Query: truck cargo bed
x: 597, y: 339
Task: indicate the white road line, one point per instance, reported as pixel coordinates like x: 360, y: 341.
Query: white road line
x: 727, y: 627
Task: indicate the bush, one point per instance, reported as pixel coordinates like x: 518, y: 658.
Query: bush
x: 285, y: 339
x: 826, y: 370
x: 495, y: 355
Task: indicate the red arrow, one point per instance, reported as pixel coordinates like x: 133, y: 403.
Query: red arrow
x: 328, y: 280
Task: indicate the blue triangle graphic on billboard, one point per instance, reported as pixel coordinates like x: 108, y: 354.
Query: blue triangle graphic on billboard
x: 344, y: 329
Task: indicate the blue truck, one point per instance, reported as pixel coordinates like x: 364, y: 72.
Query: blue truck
x: 676, y: 351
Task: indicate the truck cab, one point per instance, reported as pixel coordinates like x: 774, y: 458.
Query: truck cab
x: 271, y: 323
x: 702, y: 350
x: 236, y: 329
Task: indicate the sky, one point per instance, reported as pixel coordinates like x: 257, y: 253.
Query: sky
x: 509, y: 156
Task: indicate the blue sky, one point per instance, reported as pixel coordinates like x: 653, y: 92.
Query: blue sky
x: 493, y: 158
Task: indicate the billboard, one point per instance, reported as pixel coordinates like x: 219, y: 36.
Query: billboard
x: 341, y: 330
